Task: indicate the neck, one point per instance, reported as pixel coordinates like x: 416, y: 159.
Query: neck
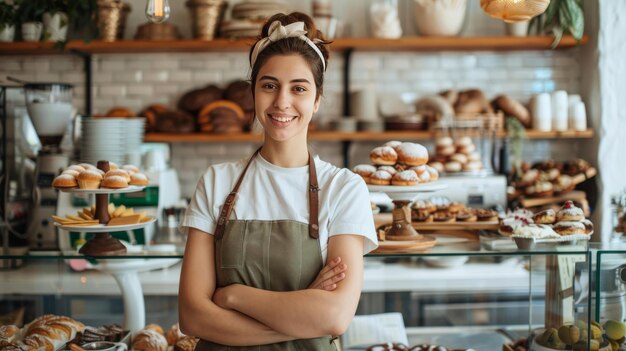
x: 285, y: 154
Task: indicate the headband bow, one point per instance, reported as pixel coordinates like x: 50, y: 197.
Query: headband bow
x: 278, y: 32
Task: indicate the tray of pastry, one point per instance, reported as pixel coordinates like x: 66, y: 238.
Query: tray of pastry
x: 121, y: 218
x: 112, y: 333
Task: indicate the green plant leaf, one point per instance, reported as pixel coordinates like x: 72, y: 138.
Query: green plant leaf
x: 551, y: 11
x: 576, y: 19
x: 557, y: 31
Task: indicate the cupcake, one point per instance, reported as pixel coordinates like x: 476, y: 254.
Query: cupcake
x: 89, y: 179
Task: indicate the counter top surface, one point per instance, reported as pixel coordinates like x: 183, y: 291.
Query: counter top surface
x: 40, y: 277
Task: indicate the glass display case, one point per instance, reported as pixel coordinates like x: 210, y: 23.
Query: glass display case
x: 466, y: 292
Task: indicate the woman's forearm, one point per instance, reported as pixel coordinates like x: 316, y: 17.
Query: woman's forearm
x: 227, y: 327
x: 302, y: 314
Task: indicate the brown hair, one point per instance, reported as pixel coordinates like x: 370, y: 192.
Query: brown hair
x: 289, y: 46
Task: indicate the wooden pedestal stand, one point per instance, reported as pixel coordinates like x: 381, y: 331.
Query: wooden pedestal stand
x: 401, y: 228
x: 559, y: 308
x: 102, y: 244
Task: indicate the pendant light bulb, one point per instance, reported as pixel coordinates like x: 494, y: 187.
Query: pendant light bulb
x: 157, y: 11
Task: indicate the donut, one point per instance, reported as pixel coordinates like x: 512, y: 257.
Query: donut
x: 380, y: 178
x: 424, y: 206
x: 424, y: 177
x: 473, y: 166
x: 467, y: 149
x: 405, y: 178
x: 438, y: 166
x: 434, y: 173
x: 384, y: 155
x: 473, y: 156
x: 453, y: 166
x: 464, y: 141
x: 545, y: 217
x: 118, y: 172
x: 588, y: 226
x: 64, y: 181
x: 569, y: 228
x: 388, y: 169
x: 139, y: 179
x: 460, y: 158
x: 393, y: 143
x: 569, y: 212
x: 443, y: 142
x: 114, y: 182
x: 445, y: 150
x: 365, y: 171
x: 418, y: 169
x: 412, y: 154
x: 71, y: 172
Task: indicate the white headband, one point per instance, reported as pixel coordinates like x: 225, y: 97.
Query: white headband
x: 277, y: 32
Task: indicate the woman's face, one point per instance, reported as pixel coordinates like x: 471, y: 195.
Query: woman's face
x: 285, y: 97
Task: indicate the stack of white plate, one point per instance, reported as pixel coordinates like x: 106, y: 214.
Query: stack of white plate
x: 110, y: 139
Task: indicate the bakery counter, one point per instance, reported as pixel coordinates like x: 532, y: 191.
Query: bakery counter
x: 41, y: 277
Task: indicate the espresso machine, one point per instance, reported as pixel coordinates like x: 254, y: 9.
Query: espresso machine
x: 49, y: 107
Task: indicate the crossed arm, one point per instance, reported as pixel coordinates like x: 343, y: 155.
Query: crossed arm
x: 239, y: 315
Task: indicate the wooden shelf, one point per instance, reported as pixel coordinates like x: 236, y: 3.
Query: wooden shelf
x: 498, y: 43
x: 343, y: 136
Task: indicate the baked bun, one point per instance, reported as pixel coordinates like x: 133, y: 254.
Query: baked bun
x: 157, y: 328
x: 130, y: 169
x: 569, y: 212
x: 122, y: 112
x: 9, y: 332
x: 545, y: 217
x: 412, y: 154
x: 194, y: 100
x: 405, y: 178
x: 393, y: 143
x: 118, y: 172
x: 114, y: 182
x: 384, y: 155
x: 89, y: 179
x: 87, y: 165
x: 438, y: 166
x: 444, y: 142
x: 173, y: 334
x: 75, y: 168
x: 380, y: 178
x: 138, y: 179
x: 149, y: 340
x: 65, y: 181
x: 113, y: 165
x: 186, y: 343
x: 453, y: 166
x: 433, y: 172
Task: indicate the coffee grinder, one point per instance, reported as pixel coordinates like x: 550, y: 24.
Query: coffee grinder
x: 49, y: 106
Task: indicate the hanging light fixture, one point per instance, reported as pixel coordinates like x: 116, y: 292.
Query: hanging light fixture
x: 157, y: 11
x: 514, y: 10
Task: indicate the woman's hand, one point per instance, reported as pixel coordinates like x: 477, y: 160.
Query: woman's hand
x: 330, y: 275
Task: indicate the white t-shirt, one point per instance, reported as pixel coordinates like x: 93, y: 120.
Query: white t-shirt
x: 270, y: 192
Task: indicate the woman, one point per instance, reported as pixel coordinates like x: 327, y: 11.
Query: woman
x: 256, y: 268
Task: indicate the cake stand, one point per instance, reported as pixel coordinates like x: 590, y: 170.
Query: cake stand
x: 102, y: 243
x: 402, y: 197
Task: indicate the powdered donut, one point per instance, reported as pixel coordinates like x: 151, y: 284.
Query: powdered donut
x: 365, y: 171
x: 418, y: 169
x: 569, y: 212
x: 384, y: 155
x: 380, y: 178
x: 405, y: 178
x: 393, y: 143
x: 412, y: 154
x: 434, y: 173
x: 389, y: 169
x: 443, y: 142
x: 569, y: 228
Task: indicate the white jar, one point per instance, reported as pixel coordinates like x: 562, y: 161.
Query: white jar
x: 559, y: 110
x: 541, y: 110
x: 578, y: 117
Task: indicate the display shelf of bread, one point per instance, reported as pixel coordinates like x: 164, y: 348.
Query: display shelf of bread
x: 527, y: 229
x: 102, y: 180
x: 456, y: 156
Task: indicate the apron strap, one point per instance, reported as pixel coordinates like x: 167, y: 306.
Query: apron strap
x: 229, y: 203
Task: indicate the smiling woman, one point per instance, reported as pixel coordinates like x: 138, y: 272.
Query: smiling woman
x: 275, y: 242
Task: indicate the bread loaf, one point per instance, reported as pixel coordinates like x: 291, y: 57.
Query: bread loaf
x: 222, y: 116
x: 150, y: 113
x: 514, y: 108
x: 471, y: 102
x: 194, y: 100
x: 175, y: 122
x: 240, y: 92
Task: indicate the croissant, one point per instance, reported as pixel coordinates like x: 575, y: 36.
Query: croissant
x: 149, y: 340
x: 186, y: 343
x: 174, y: 334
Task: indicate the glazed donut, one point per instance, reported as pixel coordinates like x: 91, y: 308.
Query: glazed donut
x: 388, y: 169
x: 365, y: 171
x: 569, y: 212
x: 412, y: 154
x: 569, y: 228
x: 380, y: 178
x: 393, y: 143
x: 405, y: 178
x: 384, y: 155
x: 545, y: 217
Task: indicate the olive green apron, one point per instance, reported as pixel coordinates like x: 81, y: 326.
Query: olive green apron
x: 281, y: 255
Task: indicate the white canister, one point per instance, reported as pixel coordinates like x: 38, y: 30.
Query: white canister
x: 559, y: 110
x: 363, y: 104
x: 31, y: 31
x: 578, y: 117
x: 541, y: 110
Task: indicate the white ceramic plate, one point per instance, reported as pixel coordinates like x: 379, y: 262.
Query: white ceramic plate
x: 128, y: 189
x: 101, y: 228
x: 406, y: 193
